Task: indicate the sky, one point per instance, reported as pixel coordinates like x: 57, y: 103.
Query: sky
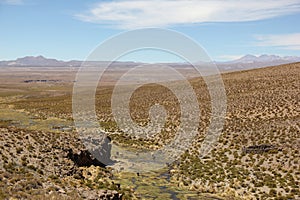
x: 71, y: 29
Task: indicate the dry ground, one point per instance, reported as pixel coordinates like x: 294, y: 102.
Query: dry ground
x: 263, y: 109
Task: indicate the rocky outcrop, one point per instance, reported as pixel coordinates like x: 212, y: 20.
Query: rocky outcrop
x: 259, y: 148
x: 83, y: 158
x: 98, y: 153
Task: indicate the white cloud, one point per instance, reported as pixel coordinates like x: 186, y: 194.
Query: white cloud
x: 128, y: 14
x: 12, y: 2
x: 284, y: 41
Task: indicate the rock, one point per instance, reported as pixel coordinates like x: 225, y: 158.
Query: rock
x: 83, y: 158
x: 259, y: 148
x: 99, y: 148
x: 98, y: 153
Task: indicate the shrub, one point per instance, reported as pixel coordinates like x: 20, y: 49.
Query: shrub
x: 273, y: 192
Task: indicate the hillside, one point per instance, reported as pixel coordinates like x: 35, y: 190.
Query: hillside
x: 256, y: 157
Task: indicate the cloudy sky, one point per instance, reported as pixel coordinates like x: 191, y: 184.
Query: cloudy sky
x: 71, y: 29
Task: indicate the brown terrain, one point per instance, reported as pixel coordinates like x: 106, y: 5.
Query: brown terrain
x: 257, y: 155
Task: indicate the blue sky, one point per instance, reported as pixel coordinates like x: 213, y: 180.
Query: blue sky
x: 71, y: 29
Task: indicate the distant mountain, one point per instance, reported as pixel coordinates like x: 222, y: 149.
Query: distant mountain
x: 252, y: 61
x: 245, y: 62
x: 265, y: 58
x: 40, y: 61
x: 32, y: 61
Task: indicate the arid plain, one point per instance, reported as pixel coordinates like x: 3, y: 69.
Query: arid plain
x: 256, y: 157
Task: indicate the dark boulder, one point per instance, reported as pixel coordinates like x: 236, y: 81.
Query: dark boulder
x: 257, y: 149
x: 99, y: 155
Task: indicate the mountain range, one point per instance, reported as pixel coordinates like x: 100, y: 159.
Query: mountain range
x: 252, y: 61
x: 245, y: 62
